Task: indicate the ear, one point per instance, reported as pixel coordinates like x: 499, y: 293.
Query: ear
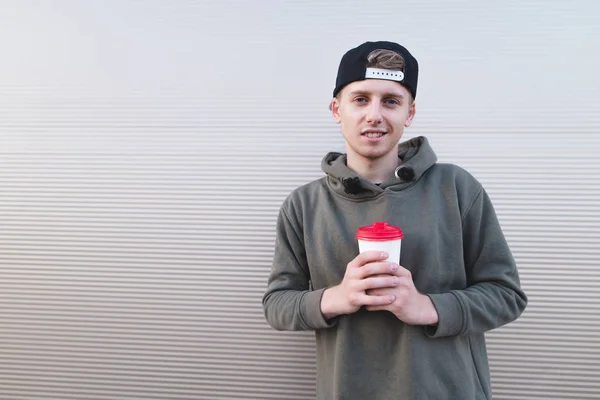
x: 335, y: 110
x: 412, y: 110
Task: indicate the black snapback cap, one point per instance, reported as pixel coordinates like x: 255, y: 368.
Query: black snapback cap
x: 353, y: 67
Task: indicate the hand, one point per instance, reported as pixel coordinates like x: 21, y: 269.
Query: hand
x: 409, y: 306
x: 366, y: 272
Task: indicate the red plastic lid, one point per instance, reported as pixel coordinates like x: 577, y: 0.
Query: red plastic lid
x: 379, y: 231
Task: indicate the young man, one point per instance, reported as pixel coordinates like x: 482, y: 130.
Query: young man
x: 386, y: 331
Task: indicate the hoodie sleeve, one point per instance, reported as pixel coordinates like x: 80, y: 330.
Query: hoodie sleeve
x: 288, y: 303
x: 493, y: 297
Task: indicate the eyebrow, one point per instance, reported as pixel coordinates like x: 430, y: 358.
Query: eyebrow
x: 385, y: 94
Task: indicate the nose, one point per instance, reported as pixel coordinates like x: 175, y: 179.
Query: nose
x: 374, y: 113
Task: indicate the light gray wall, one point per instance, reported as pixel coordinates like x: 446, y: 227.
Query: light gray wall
x: 145, y: 148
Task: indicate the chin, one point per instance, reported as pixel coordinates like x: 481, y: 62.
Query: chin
x: 373, y: 156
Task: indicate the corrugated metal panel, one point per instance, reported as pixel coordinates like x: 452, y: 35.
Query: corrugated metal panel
x: 145, y: 149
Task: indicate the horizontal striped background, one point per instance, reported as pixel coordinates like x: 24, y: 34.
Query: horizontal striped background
x: 145, y: 148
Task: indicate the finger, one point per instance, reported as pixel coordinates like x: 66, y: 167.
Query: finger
x: 377, y: 308
x: 379, y: 282
x: 405, y: 283
x: 378, y: 292
x: 382, y: 276
x: 377, y: 268
x: 367, y: 257
x: 403, y: 287
x: 402, y: 272
x: 368, y: 301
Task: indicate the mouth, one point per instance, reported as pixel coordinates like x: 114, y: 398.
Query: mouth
x: 373, y: 134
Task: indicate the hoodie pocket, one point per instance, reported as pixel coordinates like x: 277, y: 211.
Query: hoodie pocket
x: 477, y: 369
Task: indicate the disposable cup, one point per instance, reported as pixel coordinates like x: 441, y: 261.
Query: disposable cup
x: 381, y: 237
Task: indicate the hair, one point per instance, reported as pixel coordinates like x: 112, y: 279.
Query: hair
x: 384, y: 59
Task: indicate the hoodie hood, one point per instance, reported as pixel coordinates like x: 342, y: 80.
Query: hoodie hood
x: 415, y: 157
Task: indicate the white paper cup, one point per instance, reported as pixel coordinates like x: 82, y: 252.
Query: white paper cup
x: 381, y: 237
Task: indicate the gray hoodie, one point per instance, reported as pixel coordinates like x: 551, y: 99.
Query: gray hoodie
x: 453, y: 246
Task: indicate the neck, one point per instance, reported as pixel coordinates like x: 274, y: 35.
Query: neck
x: 377, y: 170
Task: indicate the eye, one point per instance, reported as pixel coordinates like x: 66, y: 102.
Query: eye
x: 392, y: 102
x: 360, y: 99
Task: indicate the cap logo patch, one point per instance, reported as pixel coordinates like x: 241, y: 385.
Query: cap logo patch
x: 378, y: 73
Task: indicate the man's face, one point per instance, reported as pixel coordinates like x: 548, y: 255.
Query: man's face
x: 373, y: 114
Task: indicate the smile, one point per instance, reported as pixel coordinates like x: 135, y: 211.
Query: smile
x: 374, y: 135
